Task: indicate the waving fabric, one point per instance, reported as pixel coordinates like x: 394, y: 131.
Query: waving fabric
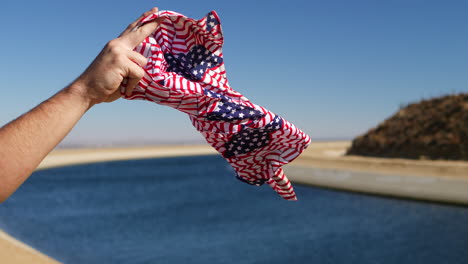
x: 185, y: 71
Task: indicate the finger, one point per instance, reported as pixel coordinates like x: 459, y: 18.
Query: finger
x: 116, y: 95
x: 136, y: 36
x: 135, y: 23
x: 135, y: 73
x: 131, y: 84
x: 137, y: 58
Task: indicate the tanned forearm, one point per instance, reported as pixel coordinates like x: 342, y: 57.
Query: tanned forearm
x: 27, y: 140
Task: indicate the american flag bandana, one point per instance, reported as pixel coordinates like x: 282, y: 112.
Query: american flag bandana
x: 185, y: 71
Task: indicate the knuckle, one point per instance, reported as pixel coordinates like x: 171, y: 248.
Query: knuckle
x: 113, y: 44
x: 140, y: 73
x: 138, y: 30
x: 120, y: 59
x: 142, y: 60
x: 131, y: 25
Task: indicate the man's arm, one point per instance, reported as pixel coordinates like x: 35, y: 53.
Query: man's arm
x: 26, y: 141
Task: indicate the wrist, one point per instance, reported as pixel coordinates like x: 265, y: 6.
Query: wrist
x: 78, y: 91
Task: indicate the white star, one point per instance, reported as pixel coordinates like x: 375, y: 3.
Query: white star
x: 200, y: 56
x: 209, y: 64
x: 223, y: 115
x: 217, y: 109
x: 251, y: 144
x: 195, y: 72
x: 230, y: 117
x: 206, y: 52
x: 201, y: 63
x: 259, y: 144
x: 240, y: 148
x: 241, y: 115
x: 229, y: 108
x: 216, y: 59
x: 277, y: 127
x: 255, y: 139
x: 212, y: 24
x: 208, y: 93
x: 199, y: 50
x: 251, y: 112
x: 236, y: 152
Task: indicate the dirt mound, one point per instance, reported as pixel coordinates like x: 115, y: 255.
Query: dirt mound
x: 430, y: 129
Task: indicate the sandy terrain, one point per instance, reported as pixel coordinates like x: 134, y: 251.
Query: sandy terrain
x: 329, y: 155
x: 15, y: 252
x: 324, y: 165
x: 434, y: 180
x: 63, y: 157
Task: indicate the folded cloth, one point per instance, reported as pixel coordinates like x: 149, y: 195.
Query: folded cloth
x: 185, y: 70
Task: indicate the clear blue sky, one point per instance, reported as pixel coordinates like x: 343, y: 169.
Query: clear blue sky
x: 334, y: 68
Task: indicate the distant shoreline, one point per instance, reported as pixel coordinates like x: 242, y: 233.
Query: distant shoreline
x: 395, y: 176
x: 440, y: 181
x: 324, y: 164
x: 66, y: 157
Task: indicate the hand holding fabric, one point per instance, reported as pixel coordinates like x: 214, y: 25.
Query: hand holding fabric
x: 117, y: 61
x: 26, y: 140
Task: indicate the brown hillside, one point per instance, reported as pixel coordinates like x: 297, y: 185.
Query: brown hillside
x: 432, y: 129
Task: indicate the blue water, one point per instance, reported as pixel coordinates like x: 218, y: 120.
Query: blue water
x: 192, y: 210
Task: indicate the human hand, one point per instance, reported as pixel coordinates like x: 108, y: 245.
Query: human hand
x: 117, y: 60
x: 28, y: 139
